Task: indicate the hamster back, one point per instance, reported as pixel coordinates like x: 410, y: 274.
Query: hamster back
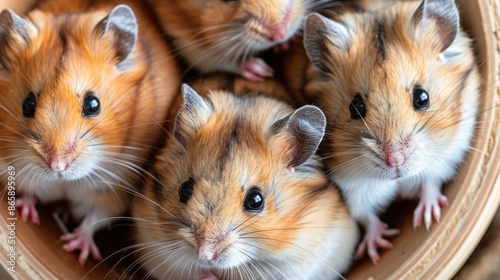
x: 240, y: 193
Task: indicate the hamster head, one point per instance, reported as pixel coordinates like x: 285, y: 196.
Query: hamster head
x: 67, y: 87
x: 238, y: 184
x: 232, y: 30
x: 399, y: 87
x: 257, y: 24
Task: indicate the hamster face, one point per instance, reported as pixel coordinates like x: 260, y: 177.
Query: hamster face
x: 401, y: 106
x: 214, y: 35
x: 226, y: 199
x: 251, y: 25
x: 64, y: 100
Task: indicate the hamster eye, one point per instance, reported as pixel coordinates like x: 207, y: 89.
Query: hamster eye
x: 357, y: 108
x: 421, y: 98
x: 29, y: 105
x: 91, y: 105
x: 254, y: 201
x: 186, y: 190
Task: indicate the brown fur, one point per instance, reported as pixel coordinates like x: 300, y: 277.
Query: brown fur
x: 63, y: 60
x: 388, y: 82
x: 230, y: 153
x: 195, y: 27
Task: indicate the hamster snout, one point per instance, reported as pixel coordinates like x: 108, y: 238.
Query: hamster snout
x: 272, y: 26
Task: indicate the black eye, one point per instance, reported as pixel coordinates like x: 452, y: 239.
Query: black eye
x: 91, y: 105
x: 254, y: 201
x: 186, y: 190
x: 357, y: 108
x: 421, y: 99
x: 29, y: 105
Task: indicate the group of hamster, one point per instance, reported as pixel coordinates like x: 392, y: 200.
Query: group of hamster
x: 235, y: 174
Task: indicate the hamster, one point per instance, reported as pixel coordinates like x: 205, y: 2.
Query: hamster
x: 240, y: 195
x: 82, y: 90
x: 221, y: 35
x: 400, y: 88
x: 238, y: 86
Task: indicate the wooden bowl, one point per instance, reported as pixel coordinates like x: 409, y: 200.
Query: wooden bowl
x: 474, y: 195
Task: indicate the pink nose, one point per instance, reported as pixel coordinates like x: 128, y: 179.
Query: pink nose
x: 278, y: 33
x: 394, y: 158
x: 58, y: 164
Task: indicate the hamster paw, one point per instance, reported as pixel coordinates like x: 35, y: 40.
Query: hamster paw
x: 255, y: 69
x: 374, y: 238
x: 27, y: 207
x: 431, y: 201
x: 83, y: 241
x: 283, y: 47
x: 207, y: 275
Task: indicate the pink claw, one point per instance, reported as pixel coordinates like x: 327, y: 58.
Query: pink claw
x: 27, y: 206
x: 429, y: 206
x: 374, y: 238
x: 255, y: 69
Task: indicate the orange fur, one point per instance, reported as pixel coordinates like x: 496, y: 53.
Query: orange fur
x: 63, y: 60
x: 400, y: 88
x: 196, y: 28
x: 231, y: 152
x: 389, y: 82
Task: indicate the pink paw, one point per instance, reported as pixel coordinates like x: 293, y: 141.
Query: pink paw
x: 283, y: 47
x: 255, y: 69
x: 84, y: 242
x: 27, y: 207
x: 207, y: 275
x: 374, y: 238
x: 431, y: 201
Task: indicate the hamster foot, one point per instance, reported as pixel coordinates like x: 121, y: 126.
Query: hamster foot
x: 376, y: 230
x: 82, y: 239
x: 256, y: 69
x: 27, y: 207
x: 431, y: 201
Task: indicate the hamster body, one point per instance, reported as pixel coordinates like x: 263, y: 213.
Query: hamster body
x: 400, y: 88
x: 240, y: 194
x: 215, y: 35
x: 81, y: 95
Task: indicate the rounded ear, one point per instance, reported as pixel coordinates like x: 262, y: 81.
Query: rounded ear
x: 322, y: 35
x: 435, y: 21
x: 121, y: 24
x: 193, y: 114
x: 14, y: 33
x: 303, y: 130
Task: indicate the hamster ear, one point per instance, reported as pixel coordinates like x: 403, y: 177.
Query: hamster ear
x: 437, y: 20
x: 302, y: 131
x: 14, y: 32
x: 193, y: 114
x: 121, y: 24
x: 321, y: 33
